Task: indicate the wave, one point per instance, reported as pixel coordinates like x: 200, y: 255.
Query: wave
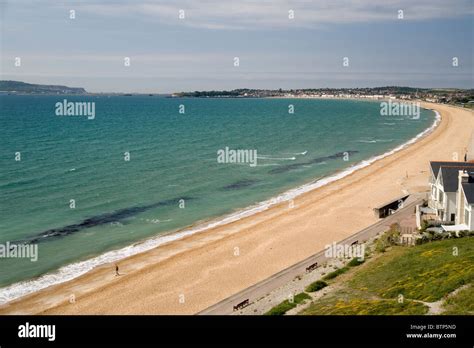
x: 293, y: 154
x: 156, y: 221
x: 298, y: 153
x: 294, y: 166
x: 77, y: 269
x: 266, y: 157
x: 373, y: 141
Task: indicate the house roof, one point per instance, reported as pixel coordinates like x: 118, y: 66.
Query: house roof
x: 468, y: 188
x: 449, y: 176
x: 435, y: 165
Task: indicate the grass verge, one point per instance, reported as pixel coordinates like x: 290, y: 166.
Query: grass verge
x: 286, y: 305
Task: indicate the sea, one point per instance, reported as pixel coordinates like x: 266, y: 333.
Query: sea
x: 146, y: 170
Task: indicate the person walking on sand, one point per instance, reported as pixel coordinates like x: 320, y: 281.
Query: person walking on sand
x: 116, y: 270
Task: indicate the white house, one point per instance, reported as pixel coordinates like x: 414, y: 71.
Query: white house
x: 465, y: 199
x: 444, y: 187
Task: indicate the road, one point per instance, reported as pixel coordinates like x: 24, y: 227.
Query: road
x: 266, y: 286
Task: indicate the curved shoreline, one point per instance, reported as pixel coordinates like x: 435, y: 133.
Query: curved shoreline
x: 76, y: 269
x: 238, y: 216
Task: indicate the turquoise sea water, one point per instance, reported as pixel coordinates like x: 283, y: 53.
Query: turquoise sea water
x: 173, y: 156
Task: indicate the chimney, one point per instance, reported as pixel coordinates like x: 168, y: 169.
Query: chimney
x: 463, y: 177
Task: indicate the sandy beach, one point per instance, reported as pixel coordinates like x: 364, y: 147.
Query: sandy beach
x: 190, y: 274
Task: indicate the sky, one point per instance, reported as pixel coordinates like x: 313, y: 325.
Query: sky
x: 279, y: 44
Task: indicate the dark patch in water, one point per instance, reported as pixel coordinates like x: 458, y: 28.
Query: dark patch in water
x: 288, y: 167
x: 98, y: 220
x: 240, y: 184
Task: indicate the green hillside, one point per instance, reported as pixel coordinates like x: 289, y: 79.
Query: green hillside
x: 29, y: 88
x: 407, y: 280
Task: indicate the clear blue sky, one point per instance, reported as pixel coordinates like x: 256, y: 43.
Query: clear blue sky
x: 169, y: 54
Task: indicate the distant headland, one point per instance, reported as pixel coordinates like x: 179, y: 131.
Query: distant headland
x: 17, y: 87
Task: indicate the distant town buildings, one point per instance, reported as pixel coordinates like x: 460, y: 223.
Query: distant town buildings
x: 452, y: 96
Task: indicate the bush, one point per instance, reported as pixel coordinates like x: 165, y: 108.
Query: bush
x: 317, y: 285
x: 355, y: 262
x: 389, y: 238
x: 424, y: 225
x: 437, y: 236
x: 286, y: 305
x: 380, y: 246
x: 334, y: 274
x: 393, y: 234
x: 421, y: 240
x: 301, y: 297
x: 281, y: 309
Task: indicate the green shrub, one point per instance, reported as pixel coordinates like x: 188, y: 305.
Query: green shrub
x: 388, y: 239
x: 286, y: 305
x: 281, y: 308
x: 380, y: 246
x: 334, y: 274
x: 424, y: 225
x: 355, y: 262
x: 301, y: 297
x: 317, y: 285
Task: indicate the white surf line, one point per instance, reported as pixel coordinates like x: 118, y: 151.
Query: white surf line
x: 297, y: 153
x: 74, y: 270
x: 276, y: 158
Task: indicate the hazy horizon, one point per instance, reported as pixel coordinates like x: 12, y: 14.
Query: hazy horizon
x: 187, y: 91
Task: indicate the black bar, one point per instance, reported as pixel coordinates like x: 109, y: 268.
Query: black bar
x: 243, y: 331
